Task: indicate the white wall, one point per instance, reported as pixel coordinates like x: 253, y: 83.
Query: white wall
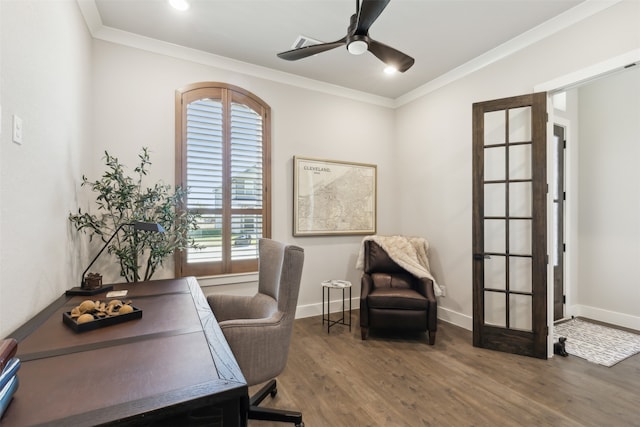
x: 134, y: 107
x: 434, y: 140
x: 74, y: 108
x: 609, y: 199
x: 45, y: 70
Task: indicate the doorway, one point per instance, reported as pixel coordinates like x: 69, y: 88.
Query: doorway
x: 596, y: 242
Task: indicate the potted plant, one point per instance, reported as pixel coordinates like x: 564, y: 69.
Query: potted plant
x: 122, y: 199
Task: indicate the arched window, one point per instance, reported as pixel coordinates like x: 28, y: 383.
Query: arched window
x: 223, y: 159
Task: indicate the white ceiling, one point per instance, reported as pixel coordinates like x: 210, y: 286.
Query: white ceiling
x: 440, y: 34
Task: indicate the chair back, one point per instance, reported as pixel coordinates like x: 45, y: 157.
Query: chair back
x: 376, y: 260
x: 279, y: 273
x: 270, y: 256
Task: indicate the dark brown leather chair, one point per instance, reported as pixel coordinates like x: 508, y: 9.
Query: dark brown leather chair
x: 392, y: 298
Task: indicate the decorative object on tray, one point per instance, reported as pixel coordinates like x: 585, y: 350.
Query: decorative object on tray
x: 92, y: 283
x: 124, y: 200
x: 333, y: 197
x: 89, y: 315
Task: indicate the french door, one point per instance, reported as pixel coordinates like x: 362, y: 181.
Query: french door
x: 509, y: 225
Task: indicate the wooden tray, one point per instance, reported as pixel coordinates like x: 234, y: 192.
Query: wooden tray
x: 100, y: 323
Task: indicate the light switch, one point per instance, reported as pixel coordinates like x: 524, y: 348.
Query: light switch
x: 17, y: 129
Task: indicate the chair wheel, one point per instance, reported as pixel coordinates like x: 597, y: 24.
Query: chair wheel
x: 274, y: 392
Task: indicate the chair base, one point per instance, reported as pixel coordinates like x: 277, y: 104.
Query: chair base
x: 269, y: 414
x: 364, y: 333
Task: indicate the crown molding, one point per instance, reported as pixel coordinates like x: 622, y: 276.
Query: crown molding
x: 91, y: 15
x: 564, y: 20
x: 576, y: 14
x: 99, y: 31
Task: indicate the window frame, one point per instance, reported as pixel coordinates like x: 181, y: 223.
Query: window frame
x: 227, y: 94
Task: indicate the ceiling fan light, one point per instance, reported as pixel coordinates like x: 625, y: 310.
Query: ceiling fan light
x: 390, y: 69
x: 357, y: 47
x: 180, y: 5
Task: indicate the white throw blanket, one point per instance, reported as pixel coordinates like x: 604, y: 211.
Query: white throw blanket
x: 410, y: 253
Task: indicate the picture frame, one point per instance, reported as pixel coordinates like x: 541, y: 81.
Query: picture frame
x: 332, y: 197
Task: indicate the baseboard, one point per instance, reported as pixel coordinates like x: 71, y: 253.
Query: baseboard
x: 462, y: 320
x: 466, y: 322
x: 245, y: 284
x: 606, y: 316
x: 444, y: 314
x: 310, y: 310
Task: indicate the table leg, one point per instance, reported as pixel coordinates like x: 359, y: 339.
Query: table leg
x: 328, y: 310
x: 349, y: 308
x: 322, y: 305
x: 343, y: 306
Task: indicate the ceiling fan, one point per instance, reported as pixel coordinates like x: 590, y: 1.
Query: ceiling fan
x: 357, y: 39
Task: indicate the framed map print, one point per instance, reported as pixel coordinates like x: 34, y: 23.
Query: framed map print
x: 333, y: 197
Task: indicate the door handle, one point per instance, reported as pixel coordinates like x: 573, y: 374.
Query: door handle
x: 480, y: 257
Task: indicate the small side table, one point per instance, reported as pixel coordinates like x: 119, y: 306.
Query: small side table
x: 335, y: 284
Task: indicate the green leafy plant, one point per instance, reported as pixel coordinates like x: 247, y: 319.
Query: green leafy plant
x: 122, y: 199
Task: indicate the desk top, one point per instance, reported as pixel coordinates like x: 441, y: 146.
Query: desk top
x: 174, y: 359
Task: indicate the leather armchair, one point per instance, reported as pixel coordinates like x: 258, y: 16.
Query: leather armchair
x: 392, y: 298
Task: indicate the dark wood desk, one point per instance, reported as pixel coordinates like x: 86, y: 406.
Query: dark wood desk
x: 171, y: 361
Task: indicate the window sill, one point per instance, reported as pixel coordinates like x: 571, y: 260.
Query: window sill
x: 227, y: 279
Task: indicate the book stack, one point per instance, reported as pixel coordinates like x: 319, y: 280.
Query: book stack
x: 9, y: 365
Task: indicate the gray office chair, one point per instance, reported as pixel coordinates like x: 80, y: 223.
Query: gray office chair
x: 258, y: 328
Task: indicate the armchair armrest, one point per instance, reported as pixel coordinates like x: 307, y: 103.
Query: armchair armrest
x: 425, y: 287
x: 366, y: 285
x: 256, y: 343
x: 227, y: 307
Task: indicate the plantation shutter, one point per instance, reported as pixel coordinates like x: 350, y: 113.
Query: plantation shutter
x: 205, y: 177
x: 224, y: 164
x: 246, y: 179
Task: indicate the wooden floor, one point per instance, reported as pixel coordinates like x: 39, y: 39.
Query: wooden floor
x: 339, y: 380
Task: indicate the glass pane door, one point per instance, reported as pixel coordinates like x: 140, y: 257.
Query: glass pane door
x: 509, y: 224
x: 507, y: 217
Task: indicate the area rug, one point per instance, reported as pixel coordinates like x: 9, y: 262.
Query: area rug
x: 596, y: 343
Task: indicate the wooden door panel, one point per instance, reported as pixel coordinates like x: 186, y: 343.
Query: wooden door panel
x: 509, y: 225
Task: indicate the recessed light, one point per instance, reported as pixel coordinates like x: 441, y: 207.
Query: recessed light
x: 181, y: 5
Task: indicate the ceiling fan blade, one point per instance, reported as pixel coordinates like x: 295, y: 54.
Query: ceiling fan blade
x: 303, y: 52
x: 391, y: 56
x: 368, y: 13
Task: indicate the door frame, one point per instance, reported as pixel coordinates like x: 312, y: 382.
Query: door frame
x: 559, y: 196
x: 556, y: 85
x: 570, y: 212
